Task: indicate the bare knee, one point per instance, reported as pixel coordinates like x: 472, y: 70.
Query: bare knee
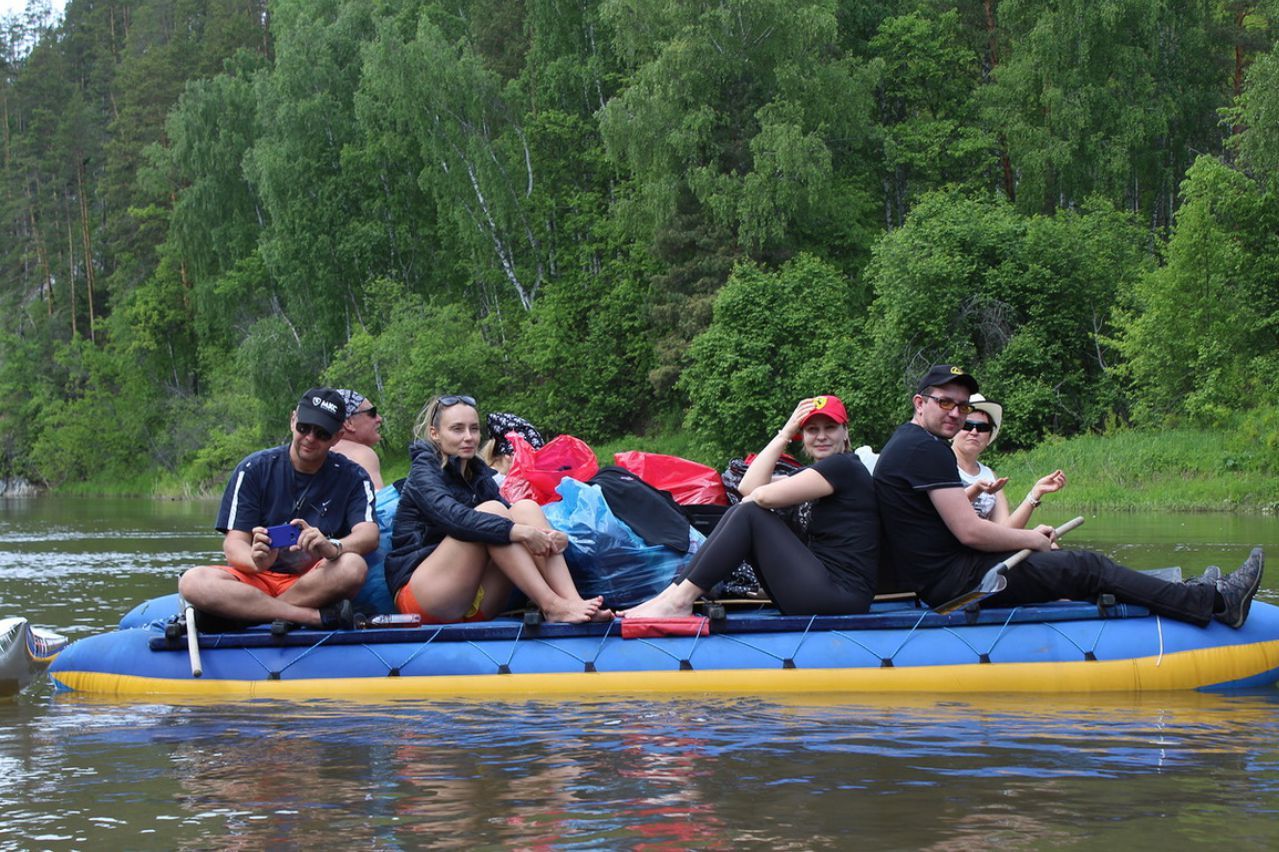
x: 349, y: 572
x: 494, y: 507
x: 198, y: 584
x: 529, y: 511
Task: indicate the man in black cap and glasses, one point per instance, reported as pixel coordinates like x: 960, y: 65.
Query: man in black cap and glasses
x: 297, y: 521
x: 942, y: 548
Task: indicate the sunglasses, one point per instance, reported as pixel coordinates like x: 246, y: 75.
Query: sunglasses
x: 370, y: 411
x: 308, y: 429
x: 454, y: 399
x: 973, y: 425
x: 945, y: 403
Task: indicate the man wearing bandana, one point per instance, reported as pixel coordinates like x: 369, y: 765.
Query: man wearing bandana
x: 360, y: 434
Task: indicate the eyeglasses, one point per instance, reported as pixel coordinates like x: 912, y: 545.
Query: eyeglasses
x: 308, y: 429
x: 945, y: 403
x: 452, y: 399
x: 370, y: 411
x: 975, y: 426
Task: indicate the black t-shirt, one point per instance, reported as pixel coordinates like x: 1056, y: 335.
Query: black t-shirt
x: 843, y: 531
x: 922, y: 549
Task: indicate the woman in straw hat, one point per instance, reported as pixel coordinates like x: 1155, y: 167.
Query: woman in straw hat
x: 985, y: 489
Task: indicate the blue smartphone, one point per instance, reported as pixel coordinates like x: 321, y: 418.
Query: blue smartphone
x: 283, y: 535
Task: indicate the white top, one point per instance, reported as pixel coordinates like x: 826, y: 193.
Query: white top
x: 985, y: 503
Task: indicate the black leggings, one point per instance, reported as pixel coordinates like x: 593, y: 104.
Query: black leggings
x: 797, y: 580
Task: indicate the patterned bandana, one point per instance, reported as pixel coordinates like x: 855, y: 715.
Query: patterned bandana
x: 499, y: 423
x: 352, y: 400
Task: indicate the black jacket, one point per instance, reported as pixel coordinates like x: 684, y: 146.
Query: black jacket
x: 435, y: 503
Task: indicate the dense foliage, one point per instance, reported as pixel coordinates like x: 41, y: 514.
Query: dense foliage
x: 615, y: 216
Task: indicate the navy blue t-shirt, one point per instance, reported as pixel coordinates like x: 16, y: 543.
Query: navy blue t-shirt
x: 266, y: 490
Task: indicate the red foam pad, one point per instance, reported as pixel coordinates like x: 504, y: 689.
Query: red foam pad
x: 655, y: 628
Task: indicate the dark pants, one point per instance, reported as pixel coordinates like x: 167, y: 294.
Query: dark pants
x: 797, y: 581
x: 1084, y: 575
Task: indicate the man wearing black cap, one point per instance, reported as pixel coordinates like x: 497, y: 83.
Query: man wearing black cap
x: 327, y: 500
x: 942, y: 548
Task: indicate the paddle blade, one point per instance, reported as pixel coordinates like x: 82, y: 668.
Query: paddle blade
x: 986, y: 589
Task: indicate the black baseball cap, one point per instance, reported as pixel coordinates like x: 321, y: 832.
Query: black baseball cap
x: 946, y: 374
x: 323, y: 407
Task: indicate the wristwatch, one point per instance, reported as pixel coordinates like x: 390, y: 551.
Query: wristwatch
x: 336, y: 542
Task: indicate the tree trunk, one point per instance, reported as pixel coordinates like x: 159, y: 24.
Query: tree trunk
x: 88, y: 245
x: 71, y: 269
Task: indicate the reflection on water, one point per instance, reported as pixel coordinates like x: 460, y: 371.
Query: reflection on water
x: 797, y: 772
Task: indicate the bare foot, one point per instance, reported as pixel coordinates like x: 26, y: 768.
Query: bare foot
x: 665, y: 605
x: 603, y: 614
x: 572, y: 611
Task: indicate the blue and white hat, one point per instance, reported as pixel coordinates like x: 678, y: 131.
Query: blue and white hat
x: 352, y: 400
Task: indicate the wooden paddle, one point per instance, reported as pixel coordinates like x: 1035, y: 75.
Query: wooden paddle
x: 995, y: 582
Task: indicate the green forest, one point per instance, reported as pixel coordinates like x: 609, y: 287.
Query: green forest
x: 626, y: 218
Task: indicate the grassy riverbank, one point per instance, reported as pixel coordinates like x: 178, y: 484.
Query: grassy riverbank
x: 1176, y: 470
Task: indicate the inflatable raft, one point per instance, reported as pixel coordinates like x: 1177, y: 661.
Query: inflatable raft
x: 1057, y: 647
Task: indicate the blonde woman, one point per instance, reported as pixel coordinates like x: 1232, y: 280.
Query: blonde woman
x: 458, y: 549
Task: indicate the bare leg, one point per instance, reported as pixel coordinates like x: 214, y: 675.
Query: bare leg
x: 328, y: 582
x: 445, y: 582
x: 553, y: 567
x: 214, y: 591
x: 526, y: 573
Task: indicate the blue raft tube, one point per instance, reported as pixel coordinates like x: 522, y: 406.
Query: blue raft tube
x: 1062, y: 647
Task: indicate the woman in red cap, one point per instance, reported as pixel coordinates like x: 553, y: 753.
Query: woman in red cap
x: 819, y: 560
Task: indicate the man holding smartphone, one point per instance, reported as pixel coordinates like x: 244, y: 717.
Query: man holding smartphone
x: 324, y: 497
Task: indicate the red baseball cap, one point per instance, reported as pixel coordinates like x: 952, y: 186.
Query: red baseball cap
x: 829, y: 405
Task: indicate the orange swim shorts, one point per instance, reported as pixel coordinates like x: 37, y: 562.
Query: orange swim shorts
x: 272, y: 583
x: 406, y: 602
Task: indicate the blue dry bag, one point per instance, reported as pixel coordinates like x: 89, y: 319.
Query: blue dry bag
x: 604, y: 555
x: 374, y: 597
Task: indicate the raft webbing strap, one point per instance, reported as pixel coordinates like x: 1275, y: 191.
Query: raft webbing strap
x: 275, y: 675
x: 984, y: 656
x: 788, y: 661
x: 502, y: 668
x: 685, y: 662
x: 892, y: 619
x: 1088, y: 653
x: 888, y: 661
x: 419, y: 649
x: 587, y: 665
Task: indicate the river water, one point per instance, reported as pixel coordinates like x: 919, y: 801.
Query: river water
x: 785, y: 772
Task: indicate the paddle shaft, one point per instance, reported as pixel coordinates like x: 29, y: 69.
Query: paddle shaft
x: 993, y: 581
x: 193, y: 643
x: 1059, y: 532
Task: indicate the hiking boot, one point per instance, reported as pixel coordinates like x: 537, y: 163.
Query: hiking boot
x: 1209, y: 577
x: 340, y: 616
x: 1237, y: 590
